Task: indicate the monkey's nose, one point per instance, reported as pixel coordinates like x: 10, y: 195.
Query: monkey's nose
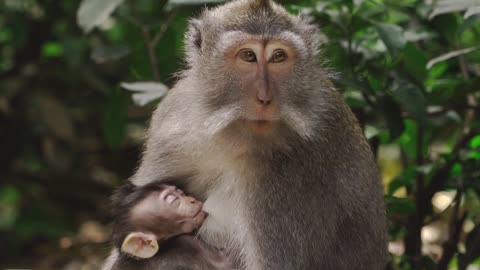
x: 264, y: 98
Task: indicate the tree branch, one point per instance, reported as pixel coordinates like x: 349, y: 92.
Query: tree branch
x: 415, y: 222
x: 152, y: 42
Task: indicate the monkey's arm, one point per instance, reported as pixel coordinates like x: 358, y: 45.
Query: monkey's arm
x: 170, y: 150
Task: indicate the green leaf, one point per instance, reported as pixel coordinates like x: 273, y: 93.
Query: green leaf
x: 5, y: 35
x: 115, y: 118
x: 392, y: 116
x: 52, y: 49
x: 470, y: 22
x: 408, y: 139
x: 9, y: 202
x: 415, y: 62
x: 399, y: 206
x: 475, y: 142
x: 411, y: 99
x: 437, y: 70
x: 447, y: 26
x: 393, y: 37
x: 456, y: 169
x: 474, y: 155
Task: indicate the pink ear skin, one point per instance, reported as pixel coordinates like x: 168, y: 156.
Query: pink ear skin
x: 140, y: 245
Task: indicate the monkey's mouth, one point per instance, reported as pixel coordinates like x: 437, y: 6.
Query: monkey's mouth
x: 199, y: 218
x: 260, y: 127
x: 261, y: 122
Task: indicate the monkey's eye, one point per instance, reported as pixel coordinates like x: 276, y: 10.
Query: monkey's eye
x: 278, y: 56
x: 248, y: 56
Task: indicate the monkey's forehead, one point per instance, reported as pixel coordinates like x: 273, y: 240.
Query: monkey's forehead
x: 256, y: 17
x: 231, y: 39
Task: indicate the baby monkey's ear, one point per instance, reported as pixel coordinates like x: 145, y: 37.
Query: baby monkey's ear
x: 140, y: 245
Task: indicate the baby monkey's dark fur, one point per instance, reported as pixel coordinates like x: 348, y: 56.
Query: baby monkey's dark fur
x: 180, y: 252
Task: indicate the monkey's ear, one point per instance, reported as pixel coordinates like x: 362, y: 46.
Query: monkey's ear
x: 194, y: 36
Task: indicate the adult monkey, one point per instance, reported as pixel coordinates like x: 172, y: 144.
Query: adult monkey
x: 254, y: 123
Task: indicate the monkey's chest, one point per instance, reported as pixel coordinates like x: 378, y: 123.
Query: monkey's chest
x: 226, y: 216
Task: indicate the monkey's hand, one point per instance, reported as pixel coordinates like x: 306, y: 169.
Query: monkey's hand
x: 140, y: 245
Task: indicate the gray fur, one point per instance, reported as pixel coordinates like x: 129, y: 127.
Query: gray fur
x: 310, y: 196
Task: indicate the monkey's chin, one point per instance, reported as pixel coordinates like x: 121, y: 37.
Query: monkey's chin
x: 260, y: 127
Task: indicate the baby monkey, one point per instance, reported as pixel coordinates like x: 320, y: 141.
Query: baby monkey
x: 158, y: 217
x: 153, y: 230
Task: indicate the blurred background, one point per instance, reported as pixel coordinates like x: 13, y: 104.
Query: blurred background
x: 80, y: 79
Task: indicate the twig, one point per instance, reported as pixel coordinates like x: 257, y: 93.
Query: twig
x: 158, y: 36
x: 455, y: 226
x: 415, y: 222
x: 152, y: 42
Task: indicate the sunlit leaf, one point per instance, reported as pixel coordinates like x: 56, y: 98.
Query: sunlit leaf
x: 437, y: 70
x: 52, y: 49
x: 474, y: 155
x: 450, y: 55
x: 392, y: 35
x: 449, y: 6
x: 146, y: 91
x: 415, y: 36
x: 472, y: 11
x: 93, y: 13
x: 475, y: 142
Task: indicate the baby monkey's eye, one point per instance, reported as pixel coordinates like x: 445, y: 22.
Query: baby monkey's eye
x: 170, y: 198
x: 248, y: 56
x: 278, y: 56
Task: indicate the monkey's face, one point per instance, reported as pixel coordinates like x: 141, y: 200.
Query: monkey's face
x: 256, y: 69
x: 169, y: 212
x: 263, y: 89
x: 260, y: 70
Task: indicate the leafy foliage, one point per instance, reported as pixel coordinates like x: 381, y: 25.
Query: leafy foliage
x: 69, y: 133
